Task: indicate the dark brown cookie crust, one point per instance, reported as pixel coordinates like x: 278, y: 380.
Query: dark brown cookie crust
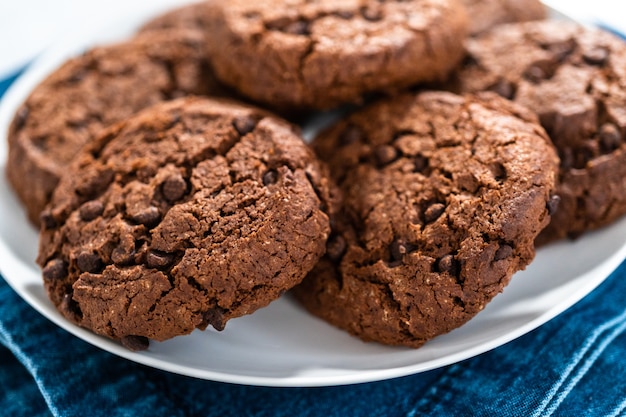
x: 90, y: 92
x: 485, y: 14
x: 443, y: 198
x: 320, y: 54
x: 574, y: 78
x: 190, y: 213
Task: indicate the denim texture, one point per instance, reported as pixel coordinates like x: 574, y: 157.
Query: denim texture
x: 7, y: 81
x: 574, y: 365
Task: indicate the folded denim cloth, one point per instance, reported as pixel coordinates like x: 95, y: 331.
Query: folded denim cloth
x: 7, y: 81
x: 572, y: 366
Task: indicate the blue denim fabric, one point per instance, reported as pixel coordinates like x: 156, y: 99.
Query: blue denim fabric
x: 572, y: 366
x: 7, y: 81
x: 19, y: 393
x: 575, y: 365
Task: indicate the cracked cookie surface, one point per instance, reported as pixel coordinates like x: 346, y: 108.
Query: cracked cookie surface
x: 443, y: 198
x: 91, y: 91
x: 574, y: 78
x: 316, y: 55
x: 190, y: 213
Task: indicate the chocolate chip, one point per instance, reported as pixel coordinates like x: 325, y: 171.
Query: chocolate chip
x: 504, y: 89
x: 553, y: 204
x: 77, y: 76
x: 174, y: 188
x: 574, y: 234
x: 503, y: 252
x: 385, y: 154
x: 299, y: 27
x: 535, y: 74
x: 54, y: 270
x: 399, y: 248
x: 469, y: 61
x: 70, y: 307
x: 159, y: 260
x: 541, y: 70
x: 91, y: 210
x: 447, y: 264
x: 499, y: 171
x: 20, y: 117
x: 270, y: 177
x: 371, y: 14
x: 95, y: 184
x: 148, y: 217
x: 336, y: 247
x: 420, y: 164
x: 122, y: 256
x: 560, y: 51
x: 244, y: 124
x: 610, y: 137
x: 135, y: 343
x: 350, y: 135
x: 215, y: 317
x: 596, y: 56
x: 47, y: 220
x: 88, y: 262
x: 433, y: 212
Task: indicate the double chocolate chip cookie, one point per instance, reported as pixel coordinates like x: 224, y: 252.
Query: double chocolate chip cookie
x: 315, y: 55
x: 443, y: 198
x: 190, y: 213
x: 574, y: 78
x: 87, y: 93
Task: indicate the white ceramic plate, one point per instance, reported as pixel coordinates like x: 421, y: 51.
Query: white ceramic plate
x: 281, y: 345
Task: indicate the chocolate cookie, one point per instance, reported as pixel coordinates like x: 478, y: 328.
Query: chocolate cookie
x: 301, y: 54
x: 574, y: 78
x: 485, y: 14
x: 105, y: 85
x: 190, y: 213
x: 444, y: 196
x: 191, y: 16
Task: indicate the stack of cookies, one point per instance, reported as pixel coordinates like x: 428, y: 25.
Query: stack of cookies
x: 172, y: 193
